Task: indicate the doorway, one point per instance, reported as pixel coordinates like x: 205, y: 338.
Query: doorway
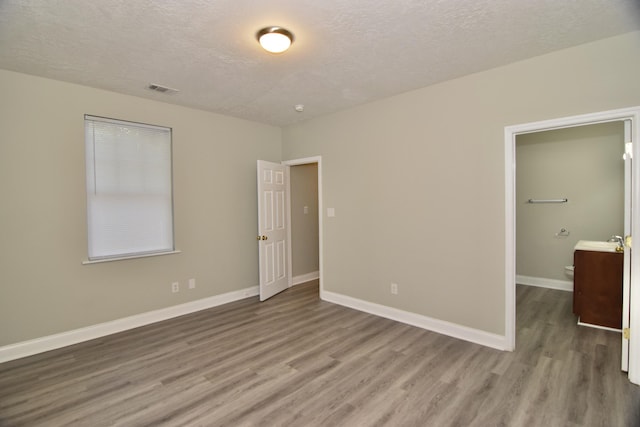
x: 569, y: 187
x: 304, y: 223
x: 631, y: 114
x: 305, y: 218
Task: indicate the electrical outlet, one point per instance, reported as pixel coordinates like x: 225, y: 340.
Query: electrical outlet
x: 175, y: 287
x: 394, y: 288
x: 192, y: 283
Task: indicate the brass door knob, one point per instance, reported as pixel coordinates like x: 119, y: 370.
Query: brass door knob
x: 262, y: 237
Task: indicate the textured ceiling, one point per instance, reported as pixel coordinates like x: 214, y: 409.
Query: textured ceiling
x: 345, y: 53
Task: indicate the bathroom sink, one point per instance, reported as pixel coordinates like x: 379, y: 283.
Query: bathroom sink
x: 590, y: 245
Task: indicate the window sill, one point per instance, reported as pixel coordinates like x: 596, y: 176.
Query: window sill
x: 97, y: 261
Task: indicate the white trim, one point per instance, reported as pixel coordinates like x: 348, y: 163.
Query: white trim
x: 306, y: 161
x: 440, y: 326
x: 510, y: 239
x: 510, y: 132
x: 304, y: 278
x: 63, y: 339
x: 120, y: 258
x: 541, y: 282
x: 289, y: 247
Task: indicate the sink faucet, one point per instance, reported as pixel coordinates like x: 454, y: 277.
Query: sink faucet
x: 619, y: 240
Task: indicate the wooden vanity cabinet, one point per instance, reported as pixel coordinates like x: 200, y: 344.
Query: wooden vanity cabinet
x: 597, y: 287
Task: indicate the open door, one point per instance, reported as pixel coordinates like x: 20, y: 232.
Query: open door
x: 273, y: 195
x: 626, y: 281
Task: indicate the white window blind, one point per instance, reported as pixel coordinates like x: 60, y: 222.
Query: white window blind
x: 129, y: 188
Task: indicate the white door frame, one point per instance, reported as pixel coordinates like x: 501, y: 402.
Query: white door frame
x: 307, y: 161
x: 510, y: 133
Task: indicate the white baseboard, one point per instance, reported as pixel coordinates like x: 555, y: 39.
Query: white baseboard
x: 63, y: 339
x: 562, y: 285
x: 440, y: 326
x: 304, y: 278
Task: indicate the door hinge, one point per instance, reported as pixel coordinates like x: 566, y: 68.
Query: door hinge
x: 626, y: 333
x: 627, y: 241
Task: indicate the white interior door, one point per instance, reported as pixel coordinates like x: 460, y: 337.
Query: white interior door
x: 626, y: 281
x: 273, y: 195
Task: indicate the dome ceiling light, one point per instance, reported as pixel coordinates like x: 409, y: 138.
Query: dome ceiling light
x: 275, y: 39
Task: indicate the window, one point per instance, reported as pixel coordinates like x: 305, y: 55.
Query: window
x: 129, y: 189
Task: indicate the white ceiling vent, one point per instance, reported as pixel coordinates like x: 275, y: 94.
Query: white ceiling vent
x: 162, y: 89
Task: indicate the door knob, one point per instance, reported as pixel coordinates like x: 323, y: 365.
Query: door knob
x: 264, y: 237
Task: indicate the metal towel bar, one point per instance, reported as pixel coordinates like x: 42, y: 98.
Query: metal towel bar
x: 548, y: 200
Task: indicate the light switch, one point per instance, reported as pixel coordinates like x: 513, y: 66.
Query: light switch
x: 306, y: 210
x: 331, y: 212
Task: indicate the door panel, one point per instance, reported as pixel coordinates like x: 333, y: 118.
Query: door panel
x: 272, y: 228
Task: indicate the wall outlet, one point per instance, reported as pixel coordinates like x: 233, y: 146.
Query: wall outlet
x: 192, y: 283
x: 394, y: 288
x: 175, y: 287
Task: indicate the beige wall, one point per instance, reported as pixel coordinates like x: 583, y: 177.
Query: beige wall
x: 45, y: 288
x: 583, y: 164
x: 417, y: 180
x: 304, y: 227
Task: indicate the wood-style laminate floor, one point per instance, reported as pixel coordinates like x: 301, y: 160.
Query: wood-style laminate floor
x: 297, y: 361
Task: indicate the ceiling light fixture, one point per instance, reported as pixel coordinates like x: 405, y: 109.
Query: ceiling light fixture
x: 275, y: 39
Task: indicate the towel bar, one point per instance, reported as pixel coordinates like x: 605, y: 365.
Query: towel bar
x: 547, y: 200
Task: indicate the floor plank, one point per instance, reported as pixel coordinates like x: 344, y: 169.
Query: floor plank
x: 297, y: 361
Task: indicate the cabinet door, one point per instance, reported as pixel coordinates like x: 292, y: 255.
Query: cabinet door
x: 578, y: 279
x: 598, y: 288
